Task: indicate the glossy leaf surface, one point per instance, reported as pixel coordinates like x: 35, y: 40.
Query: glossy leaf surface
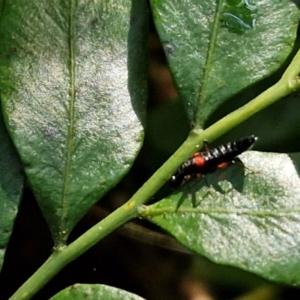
x: 73, y: 90
x: 248, y: 218
x: 11, y: 185
x: 218, y: 48
x: 94, y: 291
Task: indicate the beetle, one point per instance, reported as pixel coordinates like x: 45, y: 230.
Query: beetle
x: 209, y: 160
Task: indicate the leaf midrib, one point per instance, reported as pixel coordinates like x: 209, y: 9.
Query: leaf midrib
x: 208, y: 63
x: 153, y: 212
x: 71, y: 113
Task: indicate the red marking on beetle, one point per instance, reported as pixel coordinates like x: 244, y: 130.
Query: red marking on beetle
x: 223, y: 165
x: 199, y: 161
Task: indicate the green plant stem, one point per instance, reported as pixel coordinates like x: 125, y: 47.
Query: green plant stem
x: 61, y: 257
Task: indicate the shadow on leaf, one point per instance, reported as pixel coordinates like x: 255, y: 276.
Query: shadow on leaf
x: 234, y: 174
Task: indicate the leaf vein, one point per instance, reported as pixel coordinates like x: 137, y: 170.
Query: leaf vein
x: 209, y: 62
x: 71, y: 112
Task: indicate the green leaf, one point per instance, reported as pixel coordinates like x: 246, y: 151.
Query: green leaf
x: 94, y: 291
x: 73, y: 84
x: 11, y: 185
x: 218, y: 48
x: 248, y: 218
